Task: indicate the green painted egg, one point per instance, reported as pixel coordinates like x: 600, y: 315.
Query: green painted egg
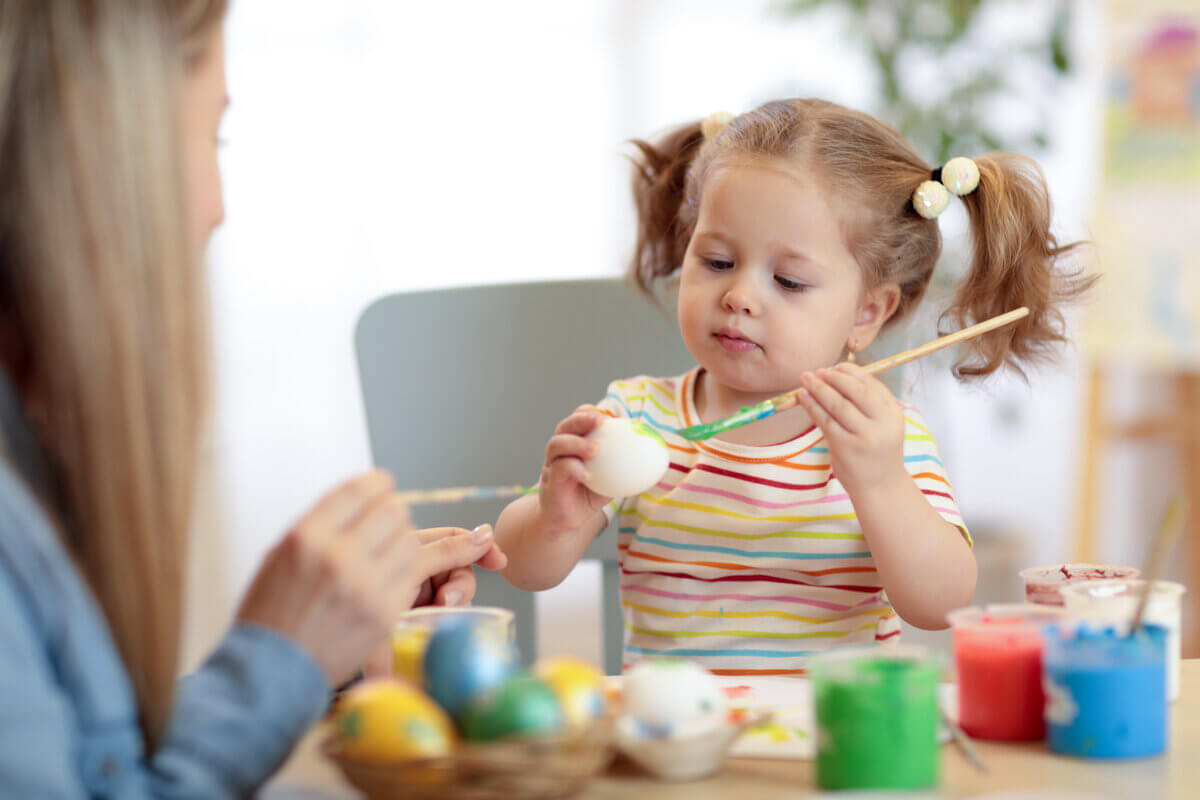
x: 520, y: 706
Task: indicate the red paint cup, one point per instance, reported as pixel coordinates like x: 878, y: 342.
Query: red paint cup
x: 998, y: 657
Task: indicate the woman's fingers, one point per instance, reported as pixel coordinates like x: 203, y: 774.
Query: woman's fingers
x: 458, y: 588
x: 377, y: 528
x: 493, y: 559
x: 452, y: 552
x: 346, y: 504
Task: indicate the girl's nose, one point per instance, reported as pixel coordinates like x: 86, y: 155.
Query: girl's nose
x: 739, y: 299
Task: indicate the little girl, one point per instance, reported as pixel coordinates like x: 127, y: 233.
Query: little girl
x: 796, y: 232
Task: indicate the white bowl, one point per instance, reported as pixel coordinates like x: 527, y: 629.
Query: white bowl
x: 681, y: 758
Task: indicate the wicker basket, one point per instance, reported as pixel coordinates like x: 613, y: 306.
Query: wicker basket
x: 519, y: 768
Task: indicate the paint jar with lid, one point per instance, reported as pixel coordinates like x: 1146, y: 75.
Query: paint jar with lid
x: 877, y: 718
x: 1106, y: 690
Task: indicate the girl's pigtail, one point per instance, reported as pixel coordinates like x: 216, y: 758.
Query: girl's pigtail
x: 1015, y: 263
x: 659, y: 195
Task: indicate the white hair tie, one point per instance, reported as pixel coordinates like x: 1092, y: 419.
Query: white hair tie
x: 959, y: 176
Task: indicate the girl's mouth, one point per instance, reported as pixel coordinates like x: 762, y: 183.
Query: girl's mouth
x: 734, y: 341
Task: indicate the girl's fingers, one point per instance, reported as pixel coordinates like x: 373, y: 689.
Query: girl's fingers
x: 566, y: 470
x: 582, y: 422
x: 833, y: 402
x: 854, y: 389
x: 564, y: 445
x: 820, y: 417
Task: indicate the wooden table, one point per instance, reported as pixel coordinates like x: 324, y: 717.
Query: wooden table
x: 308, y: 776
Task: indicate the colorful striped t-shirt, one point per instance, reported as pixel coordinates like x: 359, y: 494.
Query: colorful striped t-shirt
x: 750, y: 559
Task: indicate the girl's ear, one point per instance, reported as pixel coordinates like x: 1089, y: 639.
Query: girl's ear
x: 876, y: 308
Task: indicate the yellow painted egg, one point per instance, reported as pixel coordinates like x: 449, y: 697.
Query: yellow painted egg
x: 386, y: 720
x: 579, y: 686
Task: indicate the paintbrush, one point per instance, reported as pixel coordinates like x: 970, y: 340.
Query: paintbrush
x: 787, y: 400
x: 1168, y: 531
x: 459, y: 494
x: 964, y: 742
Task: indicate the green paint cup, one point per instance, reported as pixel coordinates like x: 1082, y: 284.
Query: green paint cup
x: 877, y: 718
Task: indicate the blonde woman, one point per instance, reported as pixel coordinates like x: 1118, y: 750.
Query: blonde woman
x: 109, y: 191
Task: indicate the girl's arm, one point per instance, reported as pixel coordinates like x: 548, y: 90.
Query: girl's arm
x: 545, y: 535
x: 539, y: 556
x: 924, y: 562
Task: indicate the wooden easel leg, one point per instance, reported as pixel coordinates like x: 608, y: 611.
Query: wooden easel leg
x: 1091, y: 448
x: 1188, y: 399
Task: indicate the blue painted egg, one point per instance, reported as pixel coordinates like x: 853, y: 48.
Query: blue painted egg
x: 464, y: 659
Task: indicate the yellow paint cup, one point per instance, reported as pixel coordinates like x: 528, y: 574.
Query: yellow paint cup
x: 410, y: 636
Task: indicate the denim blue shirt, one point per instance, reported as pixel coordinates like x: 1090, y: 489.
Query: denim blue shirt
x: 68, y: 716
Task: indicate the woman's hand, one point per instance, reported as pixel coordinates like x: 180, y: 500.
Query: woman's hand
x: 341, y: 577
x: 455, y: 587
x: 566, y: 503
x: 862, y: 422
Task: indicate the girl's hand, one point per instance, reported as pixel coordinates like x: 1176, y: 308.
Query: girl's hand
x: 863, y: 424
x: 565, y: 502
x: 341, y: 577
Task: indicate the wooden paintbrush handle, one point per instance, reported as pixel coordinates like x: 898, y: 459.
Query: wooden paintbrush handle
x: 1000, y: 321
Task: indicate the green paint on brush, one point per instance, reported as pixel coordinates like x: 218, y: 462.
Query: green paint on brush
x: 744, y: 416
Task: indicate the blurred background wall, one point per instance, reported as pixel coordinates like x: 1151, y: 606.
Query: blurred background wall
x: 377, y: 146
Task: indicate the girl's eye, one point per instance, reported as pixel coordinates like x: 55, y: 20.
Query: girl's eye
x: 789, y: 284
x: 718, y: 264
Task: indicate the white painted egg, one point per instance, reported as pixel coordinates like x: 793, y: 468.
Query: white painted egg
x: 630, y: 458
x: 672, y: 697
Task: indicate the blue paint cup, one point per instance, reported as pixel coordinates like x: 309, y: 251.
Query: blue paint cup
x: 1106, y: 691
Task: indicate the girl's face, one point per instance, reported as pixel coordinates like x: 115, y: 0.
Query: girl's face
x: 768, y: 289
x: 205, y: 98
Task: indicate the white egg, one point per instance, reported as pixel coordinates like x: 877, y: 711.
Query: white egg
x: 631, y: 457
x: 672, y: 697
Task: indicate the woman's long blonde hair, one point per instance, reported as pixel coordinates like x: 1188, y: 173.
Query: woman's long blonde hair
x: 102, y: 304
